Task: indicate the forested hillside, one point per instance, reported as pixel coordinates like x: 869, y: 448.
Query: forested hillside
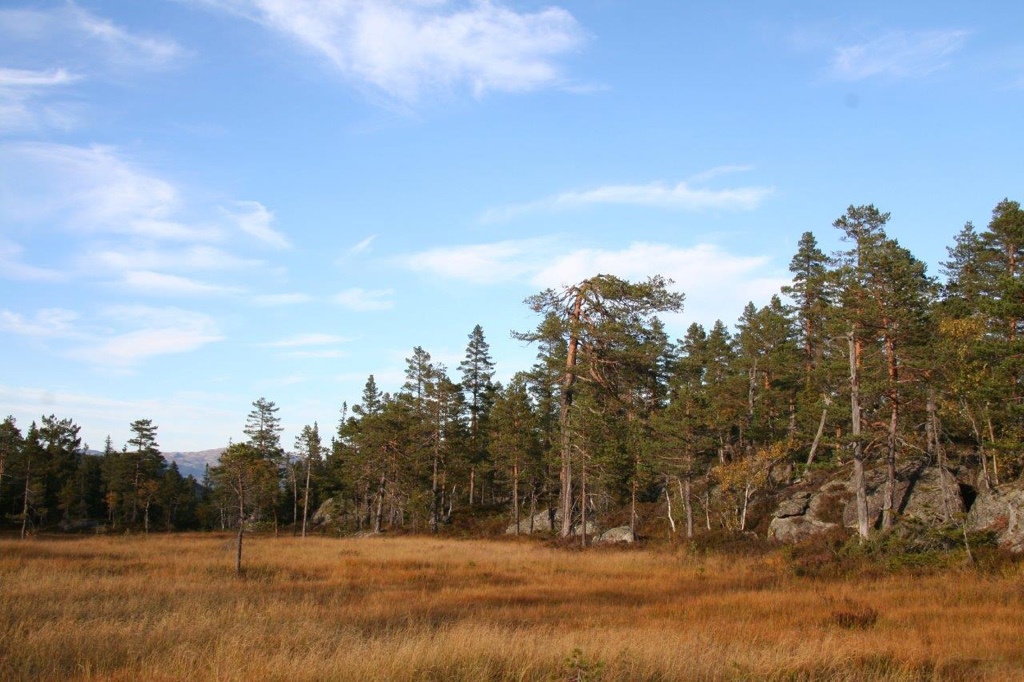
x: 864, y: 360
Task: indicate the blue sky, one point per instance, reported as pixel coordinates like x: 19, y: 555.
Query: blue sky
x: 203, y: 202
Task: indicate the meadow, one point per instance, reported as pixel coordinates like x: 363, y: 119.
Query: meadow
x: 163, y: 607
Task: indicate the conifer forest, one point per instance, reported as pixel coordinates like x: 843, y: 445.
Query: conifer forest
x: 866, y: 361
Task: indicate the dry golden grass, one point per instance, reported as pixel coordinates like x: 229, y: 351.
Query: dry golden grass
x: 170, y: 607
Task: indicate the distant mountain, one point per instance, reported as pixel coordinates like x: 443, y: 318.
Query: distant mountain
x: 194, y: 463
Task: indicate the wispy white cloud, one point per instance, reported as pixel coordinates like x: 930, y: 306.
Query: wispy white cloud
x: 270, y: 300
x: 190, y: 258
x: 482, y: 263
x: 159, y: 283
x: 187, y: 421
x: 362, y: 246
x: 89, y: 189
x: 255, y: 220
x: 898, y: 55
x: 364, y: 300
x: 50, y: 39
x: 713, y: 279
x: 48, y: 322
x: 122, y: 47
x: 303, y: 340
x: 716, y: 283
x: 28, y: 78
x: 12, y: 267
x: 26, y: 99
x: 406, y: 49
x: 124, y: 222
x: 88, y: 38
x: 680, y: 196
x: 153, y: 332
x: 719, y: 171
x: 318, y: 354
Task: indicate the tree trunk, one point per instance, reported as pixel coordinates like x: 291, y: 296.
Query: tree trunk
x: 992, y: 439
x: 568, y: 384
x: 933, y: 429
x: 295, y: 498
x: 433, y: 485
x: 746, y: 500
x: 668, y: 507
x: 241, y: 524
x: 707, y: 509
x: 858, y: 446
x: 533, y: 505
x: 583, y: 501
x: 632, y: 508
x: 24, y: 500
x: 889, y: 505
x: 981, y: 444
x: 817, y: 438
x: 305, y: 499
x: 515, y: 495
x: 684, y: 492
x: 380, y: 505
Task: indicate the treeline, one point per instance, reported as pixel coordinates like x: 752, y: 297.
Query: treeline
x: 49, y: 480
x: 863, y: 360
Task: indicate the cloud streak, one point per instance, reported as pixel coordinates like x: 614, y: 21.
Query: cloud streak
x: 255, y: 220
x: 713, y: 279
x: 682, y: 196
x: 364, y: 300
x: 48, y: 322
x: 897, y: 55
x: 153, y: 332
x: 87, y: 38
x: 407, y: 49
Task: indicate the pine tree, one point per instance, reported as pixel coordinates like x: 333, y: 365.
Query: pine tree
x: 263, y: 427
x: 309, y: 446
x: 249, y: 477
x: 11, y: 442
x: 477, y: 372
x: 864, y: 228
x: 602, y: 322
x: 515, y: 440
x: 145, y: 465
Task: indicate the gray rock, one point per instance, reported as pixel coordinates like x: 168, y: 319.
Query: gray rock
x: 923, y: 492
x: 792, y: 529
x: 326, y: 514
x: 794, y: 506
x: 919, y: 494
x: 1001, y: 510
x: 620, y: 534
x: 542, y: 523
x: 933, y: 496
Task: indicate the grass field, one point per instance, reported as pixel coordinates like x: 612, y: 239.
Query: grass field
x: 170, y: 607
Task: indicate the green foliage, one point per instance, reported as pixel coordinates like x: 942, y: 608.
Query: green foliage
x: 910, y: 546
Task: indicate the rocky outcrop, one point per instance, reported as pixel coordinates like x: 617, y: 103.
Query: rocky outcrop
x: 923, y: 492
x: 327, y: 514
x: 548, y: 521
x: 543, y: 522
x: 619, y: 534
x: 1001, y: 510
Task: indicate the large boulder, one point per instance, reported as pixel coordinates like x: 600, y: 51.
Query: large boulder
x: 619, y: 534
x: 547, y: 521
x: 327, y: 514
x: 1001, y: 510
x: 926, y: 493
x: 797, y: 528
x: 923, y: 492
x: 542, y: 522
